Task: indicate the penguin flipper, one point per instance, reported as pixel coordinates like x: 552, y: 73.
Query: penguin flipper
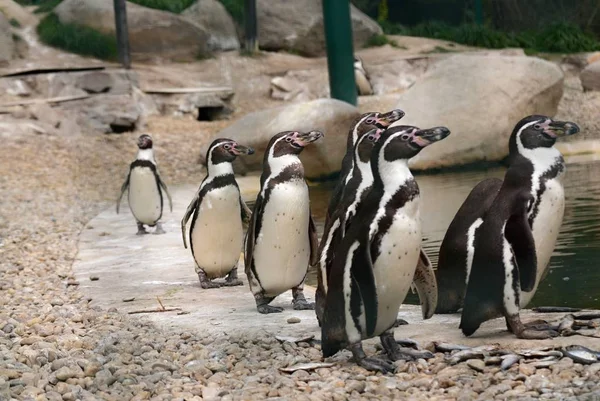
x: 426, y: 285
x: 364, y: 277
x: 518, y: 233
x: 194, y: 204
x: 246, y: 212
x: 253, y: 229
x: 164, y: 186
x: 123, y: 189
x: 314, y: 240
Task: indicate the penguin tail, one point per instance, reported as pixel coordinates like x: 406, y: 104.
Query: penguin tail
x: 331, y: 340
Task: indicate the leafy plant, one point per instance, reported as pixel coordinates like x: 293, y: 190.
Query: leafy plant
x: 77, y: 38
x: 46, y: 6
x: 15, y: 23
x: 380, y: 40
x: 235, y: 9
x: 173, y: 6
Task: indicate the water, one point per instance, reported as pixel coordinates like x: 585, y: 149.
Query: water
x: 574, y: 277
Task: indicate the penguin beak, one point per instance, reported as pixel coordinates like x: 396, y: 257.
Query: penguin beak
x: 241, y: 150
x: 561, y: 128
x: 386, y: 119
x: 308, y: 137
x: 426, y: 137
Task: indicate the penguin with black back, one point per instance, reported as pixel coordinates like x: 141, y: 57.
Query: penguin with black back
x: 217, y: 212
x: 374, y: 265
x: 281, y: 240
x: 541, y: 167
x: 361, y: 125
x: 146, y: 188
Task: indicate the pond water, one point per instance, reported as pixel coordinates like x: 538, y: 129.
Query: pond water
x: 574, y: 277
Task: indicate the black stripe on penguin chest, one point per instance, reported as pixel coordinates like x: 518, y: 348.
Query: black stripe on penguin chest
x: 148, y: 164
x: 406, y: 193
x: 218, y: 182
x: 557, y: 169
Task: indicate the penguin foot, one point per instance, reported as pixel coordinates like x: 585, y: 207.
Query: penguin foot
x: 303, y: 304
x: 530, y: 334
x: 232, y: 283
x: 376, y: 365
x: 400, y: 322
x: 159, y: 230
x: 141, y: 229
x: 265, y: 309
x: 209, y: 284
x: 526, y: 332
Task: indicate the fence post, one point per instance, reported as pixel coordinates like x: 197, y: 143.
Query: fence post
x: 250, y: 26
x: 340, y: 52
x: 122, y: 33
x: 479, y: 12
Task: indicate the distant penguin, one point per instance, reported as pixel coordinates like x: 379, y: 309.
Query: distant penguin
x: 363, y: 81
x: 282, y: 239
x: 145, y: 188
x: 375, y: 263
x: 362, y: 124
x: 541, y: 169
x: 216, y: 233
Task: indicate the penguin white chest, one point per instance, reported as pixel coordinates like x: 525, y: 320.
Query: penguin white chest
x: 546, y: 227
x: 395, y: 266
x: 282, y: 248
x: 217, y: 234
x: 144, y: 196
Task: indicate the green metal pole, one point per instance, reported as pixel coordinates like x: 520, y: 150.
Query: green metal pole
x: 479, y: 12
x: 340, y: 53
x: 250, y: 26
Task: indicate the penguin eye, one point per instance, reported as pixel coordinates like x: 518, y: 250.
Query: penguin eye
x: 288, y: 139
x: 537, y: 126
x: 227, y: 147
x: 371, y: 138
x: 405, y: 137
x: 370, y: 121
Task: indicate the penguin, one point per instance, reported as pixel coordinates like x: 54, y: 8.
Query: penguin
x: 531, y: 147
x: 216, y: 233
x: 374, y: 265
x: 363, y: 81
x: 362, y: 124
x: 145, y: 194
x: 281, y: 240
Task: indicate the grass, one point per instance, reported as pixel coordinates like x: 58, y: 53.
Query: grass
x: 77, y: 38
x: 235, y: 9
x: 173, y: 6
x: 43, y: 6
x: 382, y: 40
x: 560, y: 37
x: 15, y: 23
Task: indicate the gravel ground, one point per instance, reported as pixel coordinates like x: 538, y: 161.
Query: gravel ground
x: 54, y: 346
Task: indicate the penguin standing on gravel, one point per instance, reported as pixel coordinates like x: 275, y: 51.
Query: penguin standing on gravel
x: 363, y: 81
x: 374, y: 266
x: 145, y: 188
x: 282, y: 239
x: 216, y: 233
x: 540, y: 169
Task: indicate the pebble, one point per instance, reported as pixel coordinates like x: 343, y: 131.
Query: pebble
x: 293, y: 320
x: 476, y: 364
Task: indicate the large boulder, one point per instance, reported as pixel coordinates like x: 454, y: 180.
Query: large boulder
x: 216, y: 21
x: 151, y: 32
x: 590, y: 77
x: 330, y: 116
x: 298, y: 26
x: 480, y: 98
x: 7, y: 44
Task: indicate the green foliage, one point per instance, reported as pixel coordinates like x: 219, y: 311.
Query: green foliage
x: 77, y: 38
x: 380, y: 40
x: 15, y: 23
x: 43, y: 6
x: 173, y: 6
x: 554, y: 38
x: 235, y: 9
x: 382, y: 11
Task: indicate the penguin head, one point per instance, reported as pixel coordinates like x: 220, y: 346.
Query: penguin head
x: 226, y: 150
x: 366, y: 143
x: 374, y: 120
x: 291, y: 142
x: 406, y: 141
x: 537, y: 131
x: 144, y: 142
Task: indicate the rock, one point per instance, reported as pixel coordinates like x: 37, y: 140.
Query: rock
x: 216, y: 21
x: 151, y: 32
x: 298, y: 26
x: 590, y: 77
x: 107, y: 113
x: 65, y: 373
x: 95, y: 82
x: 480, y: 99
x: 293, y: 320
x: 476, y: 364
x: 7, y: 44
x: 330, y: 116
x: 16, y: 87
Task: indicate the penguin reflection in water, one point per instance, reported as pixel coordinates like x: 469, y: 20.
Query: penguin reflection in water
x: 216, y: 232
x: 374, y: 265
x: 282, y: 238
x: 513, y: 228
x: 145, y: 188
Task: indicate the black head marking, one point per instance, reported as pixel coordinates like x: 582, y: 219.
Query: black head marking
x: 365, y: 144
x: 369, y: 121
x: 224, y: 150
x: 144, y: 142
x: 290, y: 143
x: 406, y: 141
x: 538, y: 131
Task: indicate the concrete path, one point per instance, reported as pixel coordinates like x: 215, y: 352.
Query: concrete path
x: 152, y: 267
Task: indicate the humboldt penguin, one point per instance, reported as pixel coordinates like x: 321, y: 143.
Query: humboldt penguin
x: 541, y: 167
x: 216, y: 233
x: 145, y: 188
x: 362, y: 124
x: 374, y: 265
x: 363, y: 81
x: 282, y: 239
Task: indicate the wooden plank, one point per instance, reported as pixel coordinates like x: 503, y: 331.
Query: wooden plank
x: 59, y: 99
x: 187, y: 90
x: 48, y: 70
